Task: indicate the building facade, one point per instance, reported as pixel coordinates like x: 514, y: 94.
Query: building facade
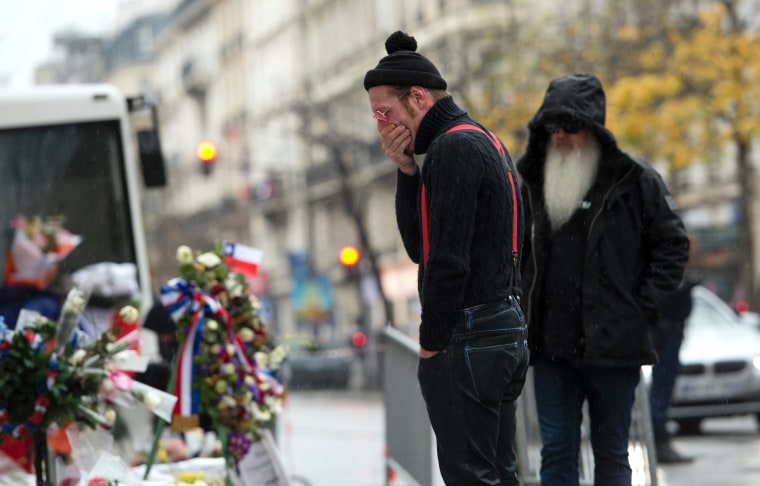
x: 277, y: 88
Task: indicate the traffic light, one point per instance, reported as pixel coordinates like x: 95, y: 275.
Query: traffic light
x: 206, y: 152
x: 349, y: 256
x: 359, y: 339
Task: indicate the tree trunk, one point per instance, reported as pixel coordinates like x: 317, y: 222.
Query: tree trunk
x: 746, y: 250
x: 355, y: 211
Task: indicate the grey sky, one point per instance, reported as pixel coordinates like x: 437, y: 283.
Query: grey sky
x: 26, y: 34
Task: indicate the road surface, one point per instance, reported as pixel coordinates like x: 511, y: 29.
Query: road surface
x: 336, y: 438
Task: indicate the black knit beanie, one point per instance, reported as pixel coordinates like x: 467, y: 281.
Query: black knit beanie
x: 403, y: 66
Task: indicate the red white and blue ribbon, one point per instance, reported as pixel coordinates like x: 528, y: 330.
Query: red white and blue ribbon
x: 180, y: 297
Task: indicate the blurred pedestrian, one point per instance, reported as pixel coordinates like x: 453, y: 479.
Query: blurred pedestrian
x: 604, y: 249
x: 668, y: 337
x: 460, y: 218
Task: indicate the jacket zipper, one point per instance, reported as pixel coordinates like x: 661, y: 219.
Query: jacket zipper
x: 532, y: 257
x: 604, y: 202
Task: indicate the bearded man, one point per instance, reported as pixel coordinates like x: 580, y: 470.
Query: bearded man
x: 603, y: 250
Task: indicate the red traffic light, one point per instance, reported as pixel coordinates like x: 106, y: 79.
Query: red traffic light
x: 206, y: 151
x: 349, y: 256
x: 359, y: 339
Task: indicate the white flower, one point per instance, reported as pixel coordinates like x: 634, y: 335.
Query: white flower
x: 246, y: 335
x: 259, y: 413
x: 277, y: 356
x: 129, y: 314
x: 262, y: 360
x: 273, y: 403
x: 216, y: 348
x: 78, y: 357
x: 230, y: 348
x: 227, y: 402
x: 110, y: 416
x: 209, y: 260
x: 233, y: 286
x: 212, y: 325
x: 107, y: 388
x: 151, y: 401
x: 74, y: 303
x: 184, y: 255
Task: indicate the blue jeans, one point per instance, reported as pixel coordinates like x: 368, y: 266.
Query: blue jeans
x: 470, y: 390
x: 561, y: 388
x: 664, y: 375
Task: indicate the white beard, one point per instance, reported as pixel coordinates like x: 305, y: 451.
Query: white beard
x: 567, y: 179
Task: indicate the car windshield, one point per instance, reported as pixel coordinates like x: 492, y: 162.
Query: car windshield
x: 710, y: 313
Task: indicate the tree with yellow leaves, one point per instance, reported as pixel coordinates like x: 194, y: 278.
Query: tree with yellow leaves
x: 696, y: 98
x: 683, y: 85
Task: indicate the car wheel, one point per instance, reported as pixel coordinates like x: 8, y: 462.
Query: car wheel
x: 689, y: 426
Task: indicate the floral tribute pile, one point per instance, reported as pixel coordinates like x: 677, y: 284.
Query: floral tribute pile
x: 227, y: 366
x: 53, y: 374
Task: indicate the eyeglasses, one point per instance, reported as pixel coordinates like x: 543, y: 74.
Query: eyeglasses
x: 571, y: 128
x: 381, y: 116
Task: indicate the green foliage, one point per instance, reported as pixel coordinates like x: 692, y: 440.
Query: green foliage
x: 33, y: 375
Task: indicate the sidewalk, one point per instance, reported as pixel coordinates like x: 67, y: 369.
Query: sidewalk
x: 727, y: 453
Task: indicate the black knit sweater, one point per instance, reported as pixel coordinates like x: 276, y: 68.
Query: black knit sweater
x: 470, y: 207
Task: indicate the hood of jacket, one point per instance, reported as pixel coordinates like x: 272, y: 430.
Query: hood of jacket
x: 577, y: 97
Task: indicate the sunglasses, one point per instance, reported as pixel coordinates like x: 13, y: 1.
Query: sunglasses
x: 571, y: 128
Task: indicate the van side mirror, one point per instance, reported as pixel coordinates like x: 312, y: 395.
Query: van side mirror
x: 151, y: 158
x: 149, y: 143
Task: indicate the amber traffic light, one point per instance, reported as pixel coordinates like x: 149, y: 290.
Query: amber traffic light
x: 349, y: 256
x: 206, y: 152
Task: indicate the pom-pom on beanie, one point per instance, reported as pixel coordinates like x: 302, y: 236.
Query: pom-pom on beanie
x: 403, y: 66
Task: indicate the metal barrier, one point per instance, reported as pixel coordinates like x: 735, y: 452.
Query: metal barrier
x: 410, y: 443
x: 640, y: 446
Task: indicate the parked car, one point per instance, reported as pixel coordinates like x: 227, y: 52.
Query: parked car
x: 311, y: 365
x: 720, y: 365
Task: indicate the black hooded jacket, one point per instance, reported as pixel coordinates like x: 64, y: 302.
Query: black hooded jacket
x: 636, y: 246
x: 470, y: 207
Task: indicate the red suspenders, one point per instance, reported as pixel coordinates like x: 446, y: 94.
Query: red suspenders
x: 515, y: 209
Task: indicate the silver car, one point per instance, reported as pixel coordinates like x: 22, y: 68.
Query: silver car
x: 720, y: 365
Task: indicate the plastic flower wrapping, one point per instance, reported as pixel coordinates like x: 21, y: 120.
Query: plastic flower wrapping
x: 227, y: 366
x: 39, y: 245
x: 53, y: 374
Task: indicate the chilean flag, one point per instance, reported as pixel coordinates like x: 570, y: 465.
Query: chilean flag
x: 241, y: 259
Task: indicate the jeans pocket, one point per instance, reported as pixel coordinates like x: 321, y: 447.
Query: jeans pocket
x: 491, y: 369
x: 432, y: 376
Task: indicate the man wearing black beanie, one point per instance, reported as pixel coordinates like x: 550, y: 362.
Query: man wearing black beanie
x: 460, y: 219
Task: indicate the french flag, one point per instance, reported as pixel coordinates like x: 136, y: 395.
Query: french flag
x: 241, y: 259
